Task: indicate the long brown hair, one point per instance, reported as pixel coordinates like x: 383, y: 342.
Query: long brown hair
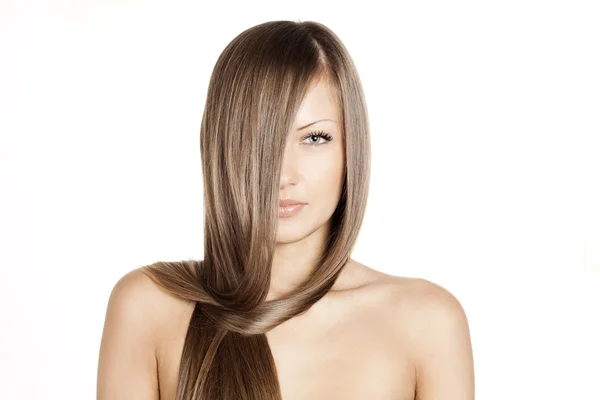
x: 255, y: 90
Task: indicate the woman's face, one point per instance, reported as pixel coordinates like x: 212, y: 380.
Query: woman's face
x: 313, y: 166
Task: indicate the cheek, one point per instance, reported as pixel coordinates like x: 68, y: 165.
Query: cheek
x: 326, y: 173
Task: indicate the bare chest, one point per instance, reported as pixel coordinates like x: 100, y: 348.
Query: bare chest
x: 352, y: 359
x: 330, y: 352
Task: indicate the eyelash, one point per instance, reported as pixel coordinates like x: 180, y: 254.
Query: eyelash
x: 320, y: 134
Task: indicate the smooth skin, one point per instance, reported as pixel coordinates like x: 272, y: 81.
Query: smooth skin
x: 420, y: 328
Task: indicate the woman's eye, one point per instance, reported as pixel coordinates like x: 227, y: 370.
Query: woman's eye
x: 315, y: 137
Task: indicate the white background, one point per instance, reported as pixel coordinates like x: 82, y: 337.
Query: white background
x: 485, y: 124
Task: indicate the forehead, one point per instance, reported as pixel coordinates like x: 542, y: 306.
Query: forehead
x: 319, y: 103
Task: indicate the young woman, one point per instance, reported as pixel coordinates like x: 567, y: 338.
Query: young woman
x: 277, y: 309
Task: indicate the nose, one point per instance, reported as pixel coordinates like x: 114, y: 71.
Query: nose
x: 289, y: 170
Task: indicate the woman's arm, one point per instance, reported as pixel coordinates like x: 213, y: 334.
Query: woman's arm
x: 127, y: 368
x: 443, y: 352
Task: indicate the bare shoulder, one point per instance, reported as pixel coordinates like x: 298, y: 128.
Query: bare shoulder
x: 127, y: 364
x: 408, y: 299
x: 425, y: 296
x: 135, y: 294
x: 138, y: 284
x: 436, y: 329
x: 424, y: 306
x: 159, y: 308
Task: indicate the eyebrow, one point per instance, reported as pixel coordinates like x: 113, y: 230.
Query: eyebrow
x: 314, y: 122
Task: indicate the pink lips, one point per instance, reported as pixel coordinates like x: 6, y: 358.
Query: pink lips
x: 289, y: 207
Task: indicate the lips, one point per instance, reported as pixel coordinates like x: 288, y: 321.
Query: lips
x: 289, y: 202
x: 289, y: 207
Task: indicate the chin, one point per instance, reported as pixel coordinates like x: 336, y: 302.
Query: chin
x: 290, y: 234
x: 290, y: 230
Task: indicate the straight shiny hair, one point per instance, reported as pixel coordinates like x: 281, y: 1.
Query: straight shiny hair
x: 256, y: 88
